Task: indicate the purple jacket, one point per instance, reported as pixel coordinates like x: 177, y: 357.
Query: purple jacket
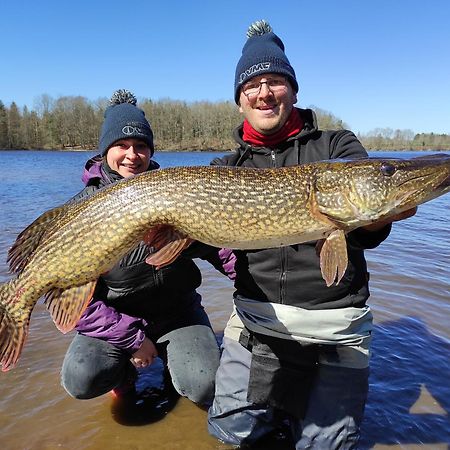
x: 127, y: 331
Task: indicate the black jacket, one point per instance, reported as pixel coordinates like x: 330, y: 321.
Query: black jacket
x: 291, y: 275
x: 134, y: 287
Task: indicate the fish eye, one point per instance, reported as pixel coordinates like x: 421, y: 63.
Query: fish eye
x: 387, y: 169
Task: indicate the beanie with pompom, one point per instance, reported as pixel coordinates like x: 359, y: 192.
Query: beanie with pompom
x: 124, y: 120
x: 262, y: 53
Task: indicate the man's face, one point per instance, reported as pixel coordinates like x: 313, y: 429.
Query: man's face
x: 266, y: 101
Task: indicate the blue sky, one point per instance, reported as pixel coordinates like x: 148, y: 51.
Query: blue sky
x: 374, y: 64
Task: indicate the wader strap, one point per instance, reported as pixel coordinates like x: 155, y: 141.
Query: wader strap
x: 246, y: 339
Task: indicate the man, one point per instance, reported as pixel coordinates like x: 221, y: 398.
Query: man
x: 318, y: 382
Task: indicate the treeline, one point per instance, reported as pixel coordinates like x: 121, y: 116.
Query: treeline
x: 74, y: 122
x: 389, y: 139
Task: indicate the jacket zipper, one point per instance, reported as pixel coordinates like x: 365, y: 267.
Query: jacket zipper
x: 274, y: 160
x: 157, y: 274
x: 283, y: 255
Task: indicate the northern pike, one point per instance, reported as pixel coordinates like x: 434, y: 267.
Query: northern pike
x: 63, y: 252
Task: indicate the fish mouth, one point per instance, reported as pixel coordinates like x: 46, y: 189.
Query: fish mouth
x: 421, y: 188
x: 445, y: 184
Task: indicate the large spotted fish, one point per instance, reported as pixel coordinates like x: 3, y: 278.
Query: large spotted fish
x: 62, y: 254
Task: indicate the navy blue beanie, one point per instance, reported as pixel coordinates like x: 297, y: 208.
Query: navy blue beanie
x: 262, y: 53
x: 124, y: 120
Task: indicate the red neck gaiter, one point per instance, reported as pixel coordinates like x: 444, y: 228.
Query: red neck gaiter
x: 293, y: 126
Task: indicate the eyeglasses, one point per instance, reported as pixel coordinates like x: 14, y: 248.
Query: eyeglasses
x: 252, y: 89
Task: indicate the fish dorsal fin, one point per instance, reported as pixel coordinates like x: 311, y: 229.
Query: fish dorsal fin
x: 29, y: 239
x: 67, y: 305
x: 333, y: 257
x: 168, y: 242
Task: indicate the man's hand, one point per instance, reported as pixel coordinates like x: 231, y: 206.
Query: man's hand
x: 145, y: 355
x: 382, y: 223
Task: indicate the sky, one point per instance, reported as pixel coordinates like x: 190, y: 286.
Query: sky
x: 373, y: 64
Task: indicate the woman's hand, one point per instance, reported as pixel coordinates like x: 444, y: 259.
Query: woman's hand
x: 145, y: 355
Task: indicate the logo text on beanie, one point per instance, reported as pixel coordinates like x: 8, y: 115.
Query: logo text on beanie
x: 129, y: 130
x: 254, y: 69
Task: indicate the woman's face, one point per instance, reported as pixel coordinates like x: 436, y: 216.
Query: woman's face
x: 129, y: 157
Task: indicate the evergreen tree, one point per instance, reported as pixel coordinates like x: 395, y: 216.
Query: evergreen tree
x: 15, y: 137
x: 3, y: 126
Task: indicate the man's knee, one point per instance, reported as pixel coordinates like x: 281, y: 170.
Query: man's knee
x: 343, y: 434
x: 241, y: 426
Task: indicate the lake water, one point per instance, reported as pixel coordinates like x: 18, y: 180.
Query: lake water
x: 409, y: 400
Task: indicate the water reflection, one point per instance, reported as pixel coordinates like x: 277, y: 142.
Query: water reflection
x: 407, y: 359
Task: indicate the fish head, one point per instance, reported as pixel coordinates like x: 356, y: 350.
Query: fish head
x: 358, y: 192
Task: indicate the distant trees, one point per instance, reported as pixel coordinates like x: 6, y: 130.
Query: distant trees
x: 3, y: 126
x: 15, y: 136
x: 389, y: 139
x: 431, y: 140
x: 74, y: 122
x: 196, y: 126
x: 327, y: 120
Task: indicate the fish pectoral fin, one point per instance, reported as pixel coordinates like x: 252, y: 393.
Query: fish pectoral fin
x: 169, y: 253
x: 161, y: 235
x: 168, y: 242
x: 67, y: 305
x: 333, y: 257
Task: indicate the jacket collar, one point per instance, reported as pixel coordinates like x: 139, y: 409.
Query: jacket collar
x: 309, y: 126
x: 98, y: 173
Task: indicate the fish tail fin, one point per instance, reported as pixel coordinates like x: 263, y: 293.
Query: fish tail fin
x: 13, y: 326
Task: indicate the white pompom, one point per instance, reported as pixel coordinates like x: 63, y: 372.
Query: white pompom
x: 259, y: 28
x: 122, y: 96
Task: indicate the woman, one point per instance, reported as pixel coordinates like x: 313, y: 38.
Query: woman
x: 138, y: 312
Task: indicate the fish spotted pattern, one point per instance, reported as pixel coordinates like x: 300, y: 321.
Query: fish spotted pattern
x: 61, y: 255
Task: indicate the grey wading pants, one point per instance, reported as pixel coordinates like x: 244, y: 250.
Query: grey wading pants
x: 333, y: 405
